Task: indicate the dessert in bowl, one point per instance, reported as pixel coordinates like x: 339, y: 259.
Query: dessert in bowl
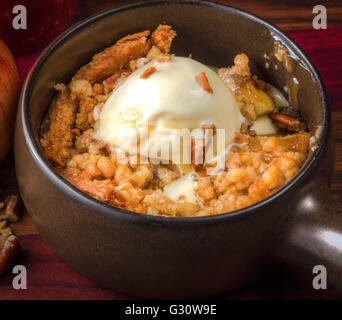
x: 153, y: 254
x: 94, y: 131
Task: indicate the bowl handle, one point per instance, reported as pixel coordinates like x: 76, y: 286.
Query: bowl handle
x: 314, y: 236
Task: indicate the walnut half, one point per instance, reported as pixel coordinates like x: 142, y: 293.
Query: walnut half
x: 9, y: 247
x: 10, y: 209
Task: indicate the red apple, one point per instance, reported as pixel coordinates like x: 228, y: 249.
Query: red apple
x: 9, y: 94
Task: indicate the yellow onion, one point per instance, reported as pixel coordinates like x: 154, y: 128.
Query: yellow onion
x: 9, y: 93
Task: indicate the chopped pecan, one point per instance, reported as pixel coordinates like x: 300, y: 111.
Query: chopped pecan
x: 110, y: 83
x: 283, y: 121
x: 148, y: 72
x: 197, y: 153
x: 199, y: 146
x: 11, y: 209
x: 208, y: 134
x: 202, y: 80
x: 9, y: 249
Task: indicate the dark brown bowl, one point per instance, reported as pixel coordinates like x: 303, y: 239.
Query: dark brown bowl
x: 152, y: 256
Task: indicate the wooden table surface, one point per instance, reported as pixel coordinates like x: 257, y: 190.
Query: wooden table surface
x: 50, y: 278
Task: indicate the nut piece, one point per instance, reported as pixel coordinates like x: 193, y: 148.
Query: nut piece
x: 11, y: 209
x: 111, y: 82
x: 148, y: 72
x: 202, y: 80
x: 197, y: 154
x: 9, y: 249
x: 199, y: 146
x: 9, y: 243
x: 283, y: 121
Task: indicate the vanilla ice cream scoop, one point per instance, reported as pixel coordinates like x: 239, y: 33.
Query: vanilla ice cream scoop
x: 167, y: 95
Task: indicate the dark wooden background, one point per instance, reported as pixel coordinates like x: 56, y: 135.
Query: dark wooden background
x: 50, y: 278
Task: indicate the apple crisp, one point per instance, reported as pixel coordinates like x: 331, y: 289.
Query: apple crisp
x: 256, y: 165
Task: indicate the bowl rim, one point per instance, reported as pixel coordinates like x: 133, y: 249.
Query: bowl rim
x: 108, y: 209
